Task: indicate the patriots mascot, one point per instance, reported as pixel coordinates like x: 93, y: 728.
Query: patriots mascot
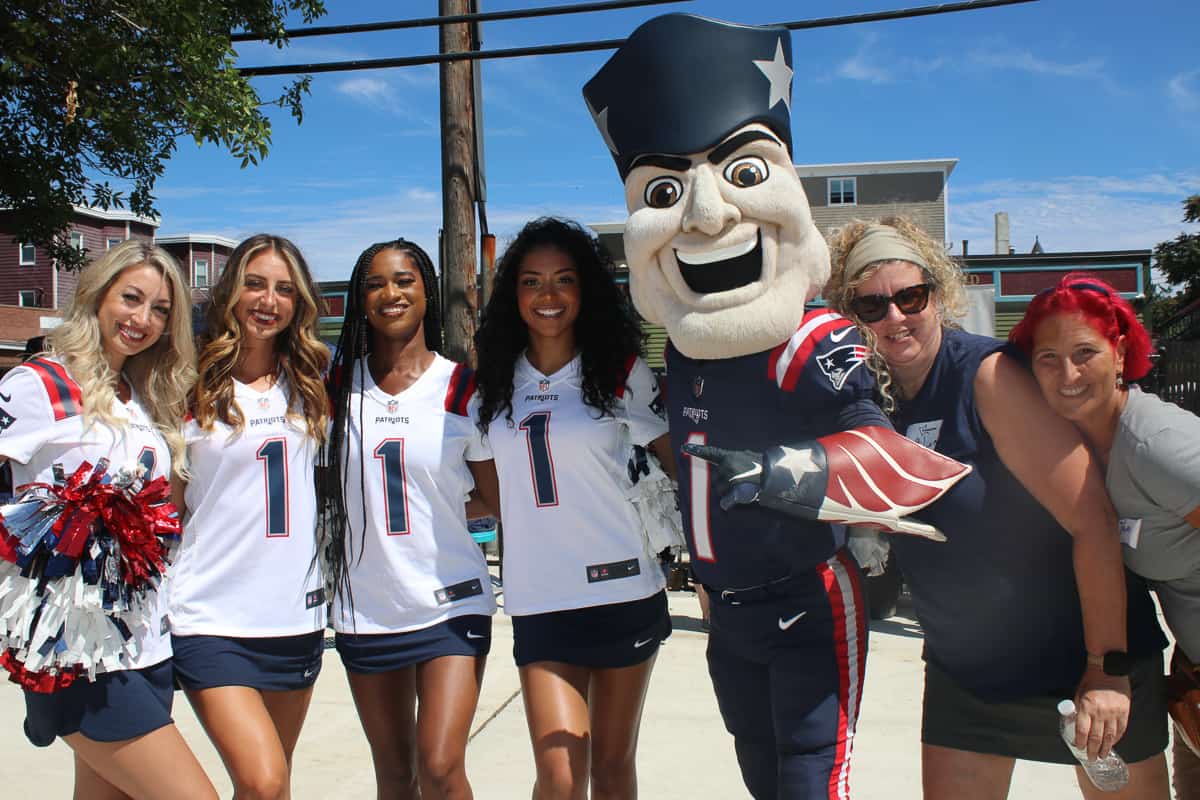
x: 771, y: 407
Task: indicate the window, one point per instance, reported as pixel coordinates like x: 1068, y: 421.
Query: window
x: 112, y: 242
x: 28, y: 254
x: 201, y: 272
x: 77, y: 240
x: 28, y: 298
x: 843, y: 191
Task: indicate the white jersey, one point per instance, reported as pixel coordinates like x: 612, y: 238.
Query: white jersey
x: 572, y: 538
x: 41, y: 424
x: 414, y: 564
x: 249, y: 535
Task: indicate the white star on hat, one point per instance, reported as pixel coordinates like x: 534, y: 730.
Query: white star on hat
x: 780, y: 76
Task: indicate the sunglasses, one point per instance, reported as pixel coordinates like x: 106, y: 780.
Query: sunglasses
x: 874, y: 307
x: 1078, y: 286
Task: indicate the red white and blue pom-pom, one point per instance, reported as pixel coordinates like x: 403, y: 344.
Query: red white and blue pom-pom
x: 80, y: 564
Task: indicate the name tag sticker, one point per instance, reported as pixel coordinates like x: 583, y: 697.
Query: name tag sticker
x: 459, y: 591
x: 613, y: 570
x: 925, y: 433
x: 1131, y: 532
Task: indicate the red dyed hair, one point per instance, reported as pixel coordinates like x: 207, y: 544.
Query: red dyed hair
x: 1101, y: 307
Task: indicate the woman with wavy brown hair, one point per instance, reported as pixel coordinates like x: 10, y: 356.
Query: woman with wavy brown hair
x: 247, y: 605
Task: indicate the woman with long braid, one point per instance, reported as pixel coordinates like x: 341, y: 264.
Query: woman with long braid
x: 414, y: 600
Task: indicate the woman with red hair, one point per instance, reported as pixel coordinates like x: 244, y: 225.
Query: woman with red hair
x: 1086, y: 347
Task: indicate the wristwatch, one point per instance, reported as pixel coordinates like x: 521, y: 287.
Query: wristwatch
x: 1115, y: 662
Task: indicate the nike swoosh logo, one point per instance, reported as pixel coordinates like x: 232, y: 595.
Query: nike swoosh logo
x: 5, y: 397
x: 644, y: 642
x: 308, y: 673
x: 753, y: 472
x: 474, y: 635
x: 837, y: 336
x: 784, y: 624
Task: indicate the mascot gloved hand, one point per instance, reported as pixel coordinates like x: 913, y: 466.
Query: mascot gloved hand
x: 859, y: 477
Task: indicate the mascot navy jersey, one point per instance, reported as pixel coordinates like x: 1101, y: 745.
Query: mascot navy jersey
x: 572, y: 538
x: 813, y: 384
x: 249, y: 536
x: 415, y: 563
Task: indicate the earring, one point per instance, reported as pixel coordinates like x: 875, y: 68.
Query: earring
x: 1120, y: 382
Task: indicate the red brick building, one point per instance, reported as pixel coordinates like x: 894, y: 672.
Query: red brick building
x: 30, y: 278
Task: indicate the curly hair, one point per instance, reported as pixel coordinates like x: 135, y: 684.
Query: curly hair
x: 303, y: 357
x: 354, y: 344
x: 607, y: 332
x: 1101, y: 306
x: 940, y: 270
x: 162, y: 374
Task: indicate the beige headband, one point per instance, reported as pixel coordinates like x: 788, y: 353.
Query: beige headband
x: 881, y: 243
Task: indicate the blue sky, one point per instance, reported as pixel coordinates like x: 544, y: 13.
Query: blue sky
x: 1080, y: 118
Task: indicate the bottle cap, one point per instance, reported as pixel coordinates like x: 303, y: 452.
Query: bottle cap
x: 1066, y: 707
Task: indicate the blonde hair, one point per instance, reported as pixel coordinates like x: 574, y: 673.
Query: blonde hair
x: 303, y: 357
x: 943, y: 272
x: 162, y: 374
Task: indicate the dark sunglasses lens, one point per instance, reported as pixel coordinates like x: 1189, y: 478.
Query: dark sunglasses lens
x: 913, y: 299
x: 870, y: 307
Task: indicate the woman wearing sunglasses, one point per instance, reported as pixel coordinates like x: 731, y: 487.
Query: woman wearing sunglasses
x: 1027, y: 602
x: 1086, y: 345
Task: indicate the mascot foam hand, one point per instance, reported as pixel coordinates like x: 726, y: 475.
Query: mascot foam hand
x: 870, y: 476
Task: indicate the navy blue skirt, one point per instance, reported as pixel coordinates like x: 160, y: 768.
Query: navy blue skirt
x: 467, y: 635
x: 607, y: 636
x: 269, y: 663
x: 116, y: 707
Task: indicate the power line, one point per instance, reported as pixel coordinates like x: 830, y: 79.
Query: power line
x: 605, y: 44
x: 487, y: 16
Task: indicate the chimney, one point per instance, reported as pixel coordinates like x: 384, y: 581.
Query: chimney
x: 1002, y: 242
x: 964, y: 248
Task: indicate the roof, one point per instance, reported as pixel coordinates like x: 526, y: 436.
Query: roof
x: 196, y: 238
x: 116, y: 215
x: 853, y: 168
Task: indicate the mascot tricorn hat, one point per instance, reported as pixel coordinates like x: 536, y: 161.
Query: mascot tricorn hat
x: 709, y: 79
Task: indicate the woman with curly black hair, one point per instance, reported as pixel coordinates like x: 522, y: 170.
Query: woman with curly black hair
x: 413, y: 613
x: 563, y: 396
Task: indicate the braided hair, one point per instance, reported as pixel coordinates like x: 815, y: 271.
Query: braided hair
x: 354, y: 345
x: 606, y: 331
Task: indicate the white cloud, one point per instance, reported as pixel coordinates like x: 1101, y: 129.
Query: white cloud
x: 874, y: 64
x: 1073, y: 213
x: 1182, y: 93
x: 422, y: 195
x: 368, y: 90
x: 1025, y: 61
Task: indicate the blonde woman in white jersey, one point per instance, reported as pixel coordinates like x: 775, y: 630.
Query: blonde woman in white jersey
x: 247, y: 606
x: 563, y: 394
x: 413, y: 612
x: 113, y: 386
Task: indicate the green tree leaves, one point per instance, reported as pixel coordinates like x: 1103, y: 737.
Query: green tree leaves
x: 99, y: 89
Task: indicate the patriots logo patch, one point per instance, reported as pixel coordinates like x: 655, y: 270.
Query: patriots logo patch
x: 6, y: 420
x: 839, y: 362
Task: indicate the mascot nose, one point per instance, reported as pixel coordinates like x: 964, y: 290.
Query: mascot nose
x: 706, y: 210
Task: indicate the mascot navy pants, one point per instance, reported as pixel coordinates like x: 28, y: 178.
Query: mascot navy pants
x: 788, y: 672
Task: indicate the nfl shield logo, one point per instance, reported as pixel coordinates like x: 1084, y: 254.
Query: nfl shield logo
x: 697, y: 386
x: 264, y: 403
x: 392, y: 406
x: 543, y: 385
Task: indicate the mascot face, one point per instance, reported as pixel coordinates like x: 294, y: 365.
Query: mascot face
x: 721, y: 246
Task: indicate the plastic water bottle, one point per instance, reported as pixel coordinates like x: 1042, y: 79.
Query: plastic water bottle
x: 1108, y: 774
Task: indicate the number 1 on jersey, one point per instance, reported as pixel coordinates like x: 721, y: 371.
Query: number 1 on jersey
x: 541, y: 462
x: 395, y: 491
x: 273, y: 454
x: 701, y: 531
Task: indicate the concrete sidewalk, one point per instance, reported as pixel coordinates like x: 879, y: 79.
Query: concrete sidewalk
x: 684, y: 751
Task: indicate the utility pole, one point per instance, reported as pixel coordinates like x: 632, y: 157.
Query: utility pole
x: 458, y: 189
